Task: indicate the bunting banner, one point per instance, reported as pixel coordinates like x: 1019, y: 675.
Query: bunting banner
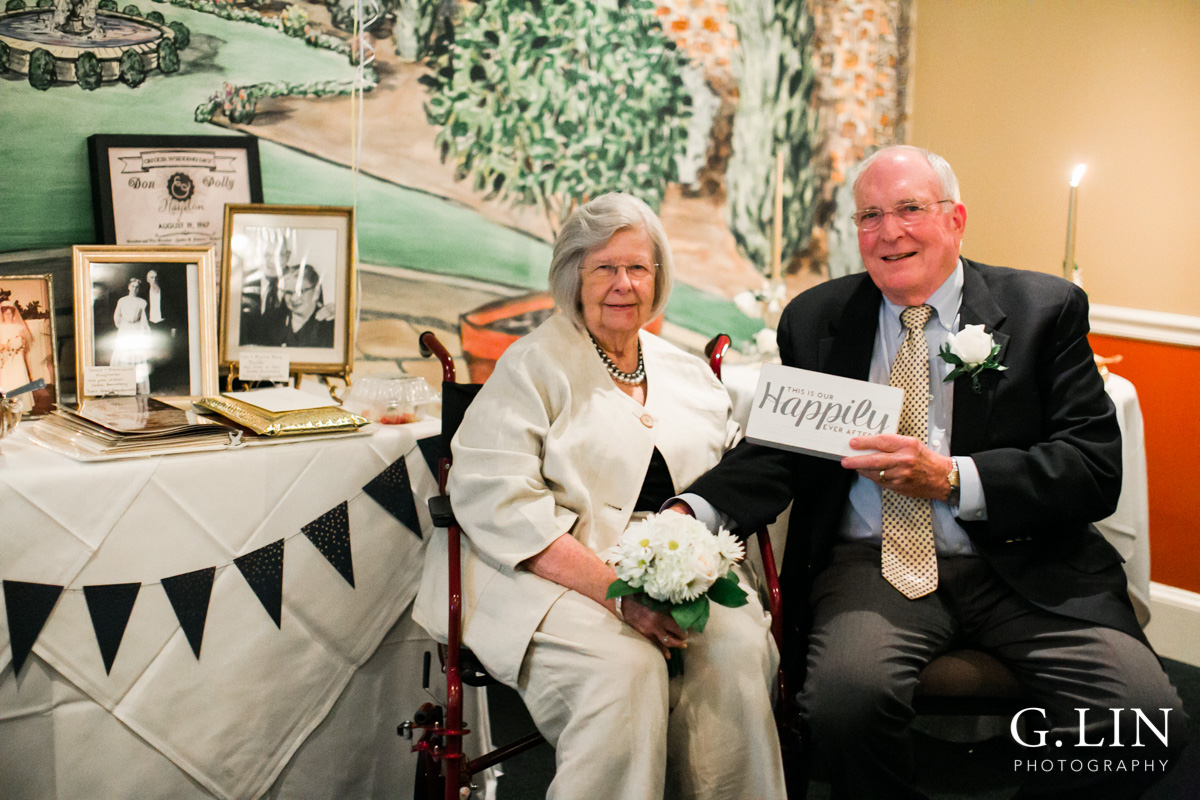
x: 431, y: 451
x: 110, y: 606
x: 330, y: 532
x: 393, y: 490
x: 189, y: 594
x: 263, y: 570
x: 28, y: 606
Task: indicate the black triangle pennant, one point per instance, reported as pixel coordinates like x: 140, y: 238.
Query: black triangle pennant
x: 393, y: 490
x: 431, y: 451
x: 330, y: 532
x: 28, y: 606
x: 110, y: 606
x: 263, y: 570
x: 189, y: 594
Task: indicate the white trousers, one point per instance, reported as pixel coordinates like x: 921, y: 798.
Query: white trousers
x: 598, y: 691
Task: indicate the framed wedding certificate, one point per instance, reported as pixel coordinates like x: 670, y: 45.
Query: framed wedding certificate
x: 170, y: 191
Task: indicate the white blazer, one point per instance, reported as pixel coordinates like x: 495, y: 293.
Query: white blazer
x: 548, y: 446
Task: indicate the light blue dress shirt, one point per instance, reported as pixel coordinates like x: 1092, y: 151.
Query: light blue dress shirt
x: 863, y: 517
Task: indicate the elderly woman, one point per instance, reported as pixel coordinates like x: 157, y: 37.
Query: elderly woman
x: 304, y: 297
x: 586, y: 424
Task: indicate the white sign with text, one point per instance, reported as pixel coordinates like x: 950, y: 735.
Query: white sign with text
x: 264, y: 365
x: 818, y: 414
x: 108, y: 381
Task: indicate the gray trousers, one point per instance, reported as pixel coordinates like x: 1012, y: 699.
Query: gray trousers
x: 869, y: 643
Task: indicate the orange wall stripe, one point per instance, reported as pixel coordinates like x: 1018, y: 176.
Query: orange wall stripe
x: 1167, y: 379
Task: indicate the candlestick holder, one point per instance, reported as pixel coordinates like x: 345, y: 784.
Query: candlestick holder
x: 1070, y: 268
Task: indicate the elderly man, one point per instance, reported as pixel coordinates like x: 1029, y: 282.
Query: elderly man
x: 971, y: 525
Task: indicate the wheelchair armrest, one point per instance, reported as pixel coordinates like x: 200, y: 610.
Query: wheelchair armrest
x: 440, y: 511
x: 470, y: 669
x: 473, y: 672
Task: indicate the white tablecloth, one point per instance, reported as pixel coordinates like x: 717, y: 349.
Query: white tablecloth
x: 308, y: 709
x: 1128, y: 529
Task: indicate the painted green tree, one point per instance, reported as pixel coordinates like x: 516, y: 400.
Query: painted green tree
x: 776, y: 73
x: 414, y: 23
x: 417, y: 24
x: 551, y: 103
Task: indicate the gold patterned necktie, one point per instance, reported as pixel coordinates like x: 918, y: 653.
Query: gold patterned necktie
x: 909, y: 558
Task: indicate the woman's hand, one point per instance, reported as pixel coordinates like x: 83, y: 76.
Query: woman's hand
x: 661, y: 629
x: 570, y: 563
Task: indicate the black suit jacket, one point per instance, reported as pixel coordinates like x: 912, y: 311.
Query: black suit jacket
x: 1043, y: 435
x: 313, y: 333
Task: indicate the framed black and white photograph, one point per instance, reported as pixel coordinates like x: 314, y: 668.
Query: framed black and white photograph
x: 149, y: 308
x: 28, y: 350
x: 170, y: 191
x: 288, y: 286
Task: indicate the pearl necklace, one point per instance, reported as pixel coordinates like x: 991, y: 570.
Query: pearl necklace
x: 631, y: 378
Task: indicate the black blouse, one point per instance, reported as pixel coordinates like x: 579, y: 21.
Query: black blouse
x: 657, y: 487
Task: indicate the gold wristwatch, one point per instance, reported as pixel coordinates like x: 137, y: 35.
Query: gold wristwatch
x: 952, y: 478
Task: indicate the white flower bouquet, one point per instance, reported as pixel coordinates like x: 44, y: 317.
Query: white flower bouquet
x: 678, y: 566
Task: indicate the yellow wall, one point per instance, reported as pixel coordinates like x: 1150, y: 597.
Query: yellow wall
x: 1014, y: 93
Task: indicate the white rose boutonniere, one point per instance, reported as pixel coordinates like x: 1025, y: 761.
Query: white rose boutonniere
x: 971, y: 351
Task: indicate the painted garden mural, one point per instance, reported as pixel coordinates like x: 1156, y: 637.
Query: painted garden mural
x: 463, y: 132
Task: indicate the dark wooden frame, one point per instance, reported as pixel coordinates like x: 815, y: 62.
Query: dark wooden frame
x: 104, y: 207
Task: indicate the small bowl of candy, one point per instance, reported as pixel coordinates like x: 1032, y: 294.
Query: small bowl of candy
x: 391, y: 401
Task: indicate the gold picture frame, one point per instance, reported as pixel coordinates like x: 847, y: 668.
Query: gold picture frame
x: 288, y: 285
x: 168, y: 331
x: 28, y: 342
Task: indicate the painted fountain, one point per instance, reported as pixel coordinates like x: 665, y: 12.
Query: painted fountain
x: 70, y: 28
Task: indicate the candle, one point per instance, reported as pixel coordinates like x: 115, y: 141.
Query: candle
x: 1069, y: 261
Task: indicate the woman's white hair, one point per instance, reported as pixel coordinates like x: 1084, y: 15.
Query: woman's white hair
x: 941, y: 168
x: 591, y: 226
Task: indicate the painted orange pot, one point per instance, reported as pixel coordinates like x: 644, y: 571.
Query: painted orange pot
x: 487, y: 331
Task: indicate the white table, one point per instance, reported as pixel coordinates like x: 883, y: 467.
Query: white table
x: 1128, y: 529
x: 305, y: 710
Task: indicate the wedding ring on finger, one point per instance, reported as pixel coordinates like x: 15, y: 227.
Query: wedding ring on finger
x: 883, y: 476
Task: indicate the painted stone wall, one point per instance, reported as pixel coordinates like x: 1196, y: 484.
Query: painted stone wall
x: 863, y: 47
